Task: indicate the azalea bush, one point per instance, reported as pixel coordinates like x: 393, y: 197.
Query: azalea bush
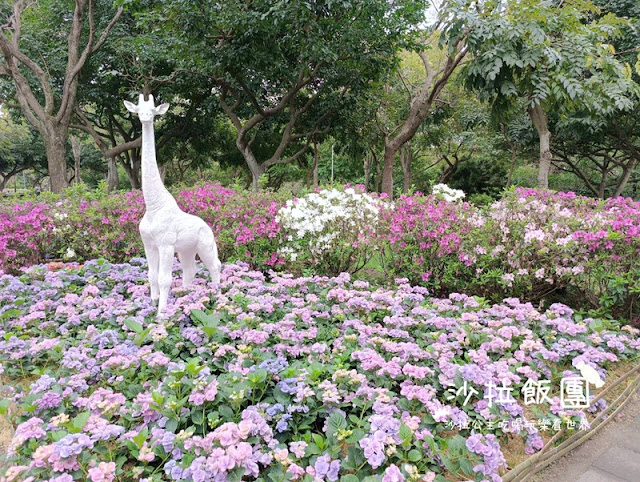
x: 244, y: 223
x: 447, y: 193
x: 530, y: 244
x: 26, y: 229
x: 90, y: 224
x: 332, y: 230
x: 538, y: 246
x: 423, y: 238
x: 526, y: 246
x: 611, y: 280
x: 279, y: 378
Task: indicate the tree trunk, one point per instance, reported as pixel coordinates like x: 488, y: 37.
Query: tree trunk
x: 56, y: 149
x: 256, y: 174
x: 445, y: 176
x: 406, y: 159
x: 134, y: 177
x: 316, y: 156
x: 163, y: 172
x: 514, y: 151
x: 112, y: 175
x: 450, y: 170
x: 378, y: 178
x: 418, y: 112
x: 368, y: 162
x: 255, y: 168
x: 634, y: 158
x: 541, y: 123
x: 602, y: 188
x: 36, y: 96
x: 8, y: 176
x: 76, y: 171
x: 76, y: 148
x: 307, y: 181
x: 4, y: 182
x: 419, y: 108
x: 132, y: 165
x: 626, y: 175
x: 387, y: 170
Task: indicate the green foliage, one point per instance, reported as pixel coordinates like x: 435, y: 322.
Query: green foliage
x: 558, y: 56
x: 283, y: 92
x: 526, y: 176
x: 577, y: 58
x: 20, y: 147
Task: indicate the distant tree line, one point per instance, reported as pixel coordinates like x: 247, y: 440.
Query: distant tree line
x: 487, y: 95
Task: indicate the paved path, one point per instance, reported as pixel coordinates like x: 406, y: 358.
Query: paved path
x: 610, y: 456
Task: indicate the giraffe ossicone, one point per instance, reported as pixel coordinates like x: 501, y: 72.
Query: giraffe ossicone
x: 166, y: 229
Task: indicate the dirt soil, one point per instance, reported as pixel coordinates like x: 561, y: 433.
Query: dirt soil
x: 5, y: 435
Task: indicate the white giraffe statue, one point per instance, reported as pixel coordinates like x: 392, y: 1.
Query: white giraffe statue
x: 165, y: 228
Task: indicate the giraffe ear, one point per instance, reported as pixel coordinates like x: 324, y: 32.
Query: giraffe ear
x: 161, y: 109
x: 131, y: 107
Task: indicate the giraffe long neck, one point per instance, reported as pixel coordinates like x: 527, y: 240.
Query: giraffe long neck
x: 153, y: 190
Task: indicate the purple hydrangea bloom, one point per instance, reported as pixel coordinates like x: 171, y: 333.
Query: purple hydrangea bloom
x: 274, y: 365
x: 72, y: 444
x: 274, y: 409
x: 49, y: 400
x: 288, y: 385
x: 43, y: 383
x: 325, y: 467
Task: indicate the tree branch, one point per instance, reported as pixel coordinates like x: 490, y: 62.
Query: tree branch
x: 286, y: 137
x: 108, y: 152
x: 230, y: 110
x: 248, y: 93
x: 11, y: 52
x: 75, y: 64
x: 303, y: 150
x: 107, y: 30
x: 575, y: 169
x: 300, y: 83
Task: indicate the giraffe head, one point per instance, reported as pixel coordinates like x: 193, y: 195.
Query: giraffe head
x: 146, y: 109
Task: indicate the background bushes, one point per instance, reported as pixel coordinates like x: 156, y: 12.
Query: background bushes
x: 536, y: 246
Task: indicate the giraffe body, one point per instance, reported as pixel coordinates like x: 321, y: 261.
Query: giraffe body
x: 166, y: 229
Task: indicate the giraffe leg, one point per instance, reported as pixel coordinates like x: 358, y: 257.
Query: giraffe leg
x: 208, y: 252
x: 188, y: 263
x: 151, y: 253
x: 165, y: 263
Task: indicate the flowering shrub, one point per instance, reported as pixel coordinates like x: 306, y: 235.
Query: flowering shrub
x: 423, y: 237
x: 93, y: 224
x: 530, y: 244
x: 244, y: 223
x: 334, y: 230
x: 25, y: 230
x: 611, y: 279
x: 442, y: 191
x: 535, y: 244
x: 301, y: 378
x: 525, y: 245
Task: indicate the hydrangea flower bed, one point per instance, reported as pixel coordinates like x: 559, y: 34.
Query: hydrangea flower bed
x: 276, y: 379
